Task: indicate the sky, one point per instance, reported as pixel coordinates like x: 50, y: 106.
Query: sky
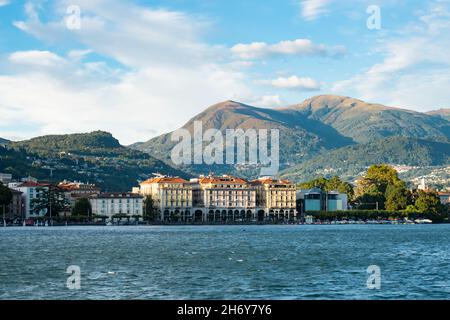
x: 141, y: 68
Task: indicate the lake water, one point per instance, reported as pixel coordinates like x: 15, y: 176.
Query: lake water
x: 226, y: 262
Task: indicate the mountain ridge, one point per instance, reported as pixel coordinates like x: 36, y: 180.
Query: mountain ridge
x: 349, y: 161
x: 317, y: 125
x: 95, y: 156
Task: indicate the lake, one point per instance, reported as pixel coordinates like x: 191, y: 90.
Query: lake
x: 226, y: 262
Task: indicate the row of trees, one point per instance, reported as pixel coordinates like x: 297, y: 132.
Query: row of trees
x: 382, y: 186
x: 381, y: 189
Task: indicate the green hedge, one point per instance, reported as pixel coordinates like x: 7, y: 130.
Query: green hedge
x: 376, y: 215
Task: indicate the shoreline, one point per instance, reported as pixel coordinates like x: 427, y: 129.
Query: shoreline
x: 212, y: 224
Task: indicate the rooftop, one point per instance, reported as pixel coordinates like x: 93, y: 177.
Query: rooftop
x: 164, y: 180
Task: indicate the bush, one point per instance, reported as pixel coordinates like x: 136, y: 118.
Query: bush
x: 376, y: 215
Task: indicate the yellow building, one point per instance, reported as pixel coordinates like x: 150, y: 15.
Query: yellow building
x: 172, y: 197
x: 275, y: 199
x: 223, y: 198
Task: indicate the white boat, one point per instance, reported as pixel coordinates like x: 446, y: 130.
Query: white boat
x: 423, y: 221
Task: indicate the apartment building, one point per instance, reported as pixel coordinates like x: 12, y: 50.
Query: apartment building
x: 31, y: 190
x: 223, y: 198
x: 172, y: 197
x: 220, y: 198
x: 275, y: 199
x: 117, y: 204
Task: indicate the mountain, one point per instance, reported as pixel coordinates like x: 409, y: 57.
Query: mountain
x: 96, y: 157
x: 301, y: 136
x: 3, y: 142
x: 308, y: 129
x: 443, y: 113
x: 365, y: 122
x: 349, y: 162
x: 96, y: 143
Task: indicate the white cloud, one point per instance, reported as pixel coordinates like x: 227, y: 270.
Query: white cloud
x: 4, y: 3
x: 265, y: 100
x: 294, y: 82
x: 415, y: 70
x: 165, y: 73
x: 36, y: 58
x: 312, y: 9
x: 298, y: 47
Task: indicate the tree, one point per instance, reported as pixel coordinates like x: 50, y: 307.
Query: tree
x: 5, y: 197
x: 316, y: 183
x: 51, y: 200
x: 375, y: 183
x: 149, y: 209
x: 428, y: 202
x: 333, y: 184
x: 82, y: 207
x: 336, y: 184
x: 397, y: 197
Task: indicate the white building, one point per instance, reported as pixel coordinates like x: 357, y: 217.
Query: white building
x: 31, y: 190
x: 5, y: 178
x: 114, y: 204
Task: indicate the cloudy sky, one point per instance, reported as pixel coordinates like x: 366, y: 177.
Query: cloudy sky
x: 141, y: 68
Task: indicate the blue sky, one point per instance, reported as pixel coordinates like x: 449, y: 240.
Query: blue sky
x: 141, y: 68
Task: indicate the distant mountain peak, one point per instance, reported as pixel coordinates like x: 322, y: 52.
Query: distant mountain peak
x: 443, y: 113
x: 227, y: 104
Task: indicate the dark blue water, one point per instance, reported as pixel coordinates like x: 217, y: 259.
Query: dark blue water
x: 226, y: 262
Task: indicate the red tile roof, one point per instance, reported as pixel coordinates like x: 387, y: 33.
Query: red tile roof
x: 32, y: 184
x: 222, y: 180
x: 164, y: 180
x: 270, y: 181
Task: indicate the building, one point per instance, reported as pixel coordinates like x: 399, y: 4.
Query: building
x: 31, y: 190
x: 317, y: 200
x: 336, y: 201
x: 16, y: 208
x: 116, y: 204
x: 78, y: 189
x: 223, y: 198
x: 74, y: 190
x: 172, y: 197
x: 311, y: 200
x: 220, y: 199
x: 422, y: 186
x: 5, y: 178
x: 275, y: 199
x: 444, y: 197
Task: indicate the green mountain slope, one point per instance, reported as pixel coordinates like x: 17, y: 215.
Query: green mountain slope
x: 365, y: 122
x: 97, y: 143
x: 96, y: 157
x: 349, y: 162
